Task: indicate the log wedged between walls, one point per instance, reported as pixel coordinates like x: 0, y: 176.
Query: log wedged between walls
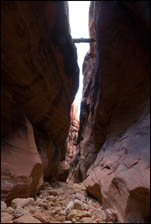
x: 114, y: 144
x: 39, y: 82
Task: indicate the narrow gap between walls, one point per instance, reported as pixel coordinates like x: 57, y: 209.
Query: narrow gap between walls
x: 79, y: 20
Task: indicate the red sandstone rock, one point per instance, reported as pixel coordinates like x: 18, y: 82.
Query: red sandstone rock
x: 73, y: 133
x: 6, y: 218
x: 41, y: 217
x: 63, y: 170
x: 22, y: 171
x: 26, y: 219
x: 39, y: 80
x: 114, y: 120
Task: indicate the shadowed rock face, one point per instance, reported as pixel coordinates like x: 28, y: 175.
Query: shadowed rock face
x: 114, y: 143
x: 39, y: 82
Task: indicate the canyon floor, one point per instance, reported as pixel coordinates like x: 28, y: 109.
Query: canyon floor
x: 59, y: 202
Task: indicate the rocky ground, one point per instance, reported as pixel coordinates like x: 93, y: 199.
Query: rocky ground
x: 59, y: 202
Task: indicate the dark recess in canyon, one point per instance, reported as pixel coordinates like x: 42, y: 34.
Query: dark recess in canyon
x: 109, y: 150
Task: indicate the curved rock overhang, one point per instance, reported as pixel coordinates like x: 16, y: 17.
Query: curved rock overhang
x: 39, y: 82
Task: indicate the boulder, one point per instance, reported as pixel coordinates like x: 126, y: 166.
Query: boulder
x: 69, y: 207
x: 22, y: 202
x: 18, y: 212
x: 87, y: 220
x: 67, y: 221
x: 80, y: 196
x: 6, y: 218
x: 77, y: 214
x: 41, y: 217
x: 53, y: 192
x: 63, y: 171
x: 3, y: 206
x: 51, y: 198
x: 42, y: 203
x: 10, y: 210
x: 56, y: 211
x: 26, y: 219
x: 22, y: 170
x: 78, y: 204
x: 60, y: 218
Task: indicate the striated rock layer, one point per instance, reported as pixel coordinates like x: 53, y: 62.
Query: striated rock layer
x: 39, y: 82
x: 71, y: 142
x: 114, y: 154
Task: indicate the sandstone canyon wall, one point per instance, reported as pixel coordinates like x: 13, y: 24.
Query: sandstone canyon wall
x: 113, y: 155
x: 39, y: 82
x: 71, y: 142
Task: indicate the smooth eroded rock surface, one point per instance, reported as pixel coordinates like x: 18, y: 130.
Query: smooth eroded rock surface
x: 39, y: 82
x: 114, y: 145
x: 22, y: 170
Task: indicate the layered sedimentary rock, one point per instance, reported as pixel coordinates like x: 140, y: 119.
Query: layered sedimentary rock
x: 39, y: 82
x: 114, y: 143
x: 73, y: 134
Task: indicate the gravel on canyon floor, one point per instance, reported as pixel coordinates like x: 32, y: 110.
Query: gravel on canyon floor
x: 57, y: 203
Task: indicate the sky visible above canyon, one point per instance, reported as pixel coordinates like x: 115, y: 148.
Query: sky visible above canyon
x: 78, y: 17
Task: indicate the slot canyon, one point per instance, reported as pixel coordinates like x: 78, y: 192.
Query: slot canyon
x: 54, y: 167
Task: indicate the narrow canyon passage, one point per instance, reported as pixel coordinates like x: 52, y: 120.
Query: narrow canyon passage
x: 77, y: 32
x: 65, y: 202
x: 56, y: 168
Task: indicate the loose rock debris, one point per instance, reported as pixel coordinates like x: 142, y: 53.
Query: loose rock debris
x: 59, y: 202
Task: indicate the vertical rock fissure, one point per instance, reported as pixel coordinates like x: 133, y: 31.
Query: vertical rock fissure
x: 88, y: 101
x: 80, y: 36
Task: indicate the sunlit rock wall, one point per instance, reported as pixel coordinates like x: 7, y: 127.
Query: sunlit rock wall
x: 73, y: 134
